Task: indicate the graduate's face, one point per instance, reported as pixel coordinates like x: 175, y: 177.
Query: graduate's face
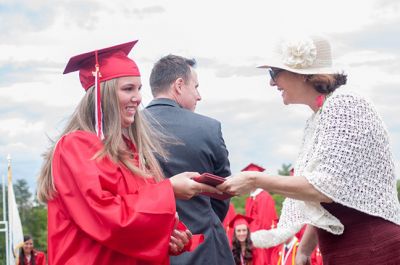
x: 129, y: 97
x: 28, y: 246
x: 241, y: 232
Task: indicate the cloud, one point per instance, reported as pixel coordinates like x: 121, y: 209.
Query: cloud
x: 83, y: 14
x: 225, y: 70
x: 25, y: 129
x: 145, y: 11
x: 379, y: 37
x: 265, y: 133
x: 13, y: 72
x: 21, y: 16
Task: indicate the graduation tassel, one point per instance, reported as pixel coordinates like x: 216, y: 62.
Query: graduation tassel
x: 99, y: 114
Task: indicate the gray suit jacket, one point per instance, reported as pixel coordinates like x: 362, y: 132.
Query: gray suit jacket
x: 203, y: 150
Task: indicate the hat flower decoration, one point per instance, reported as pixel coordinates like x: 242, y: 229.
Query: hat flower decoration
x: 299, y: 53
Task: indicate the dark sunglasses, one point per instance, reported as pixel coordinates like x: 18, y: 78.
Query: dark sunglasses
x: 274, y: 73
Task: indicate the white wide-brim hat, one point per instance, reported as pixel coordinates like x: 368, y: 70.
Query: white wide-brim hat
x: 307, y: 55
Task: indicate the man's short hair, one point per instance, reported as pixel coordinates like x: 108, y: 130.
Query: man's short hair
x: 167, y: 70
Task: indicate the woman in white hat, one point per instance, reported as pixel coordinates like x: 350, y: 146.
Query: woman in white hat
x: 344, y: 178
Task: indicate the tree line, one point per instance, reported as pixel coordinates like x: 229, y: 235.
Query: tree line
x: 33, y: 217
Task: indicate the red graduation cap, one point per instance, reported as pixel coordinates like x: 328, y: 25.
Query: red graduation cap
x: 253, y: 167
x: 240, y: 219
x: 113, y: 62
x: 102, y: 65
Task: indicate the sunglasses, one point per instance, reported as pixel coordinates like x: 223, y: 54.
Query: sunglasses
x: 274, y: 73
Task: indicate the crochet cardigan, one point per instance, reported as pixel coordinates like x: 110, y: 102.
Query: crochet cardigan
x: 345, y: 155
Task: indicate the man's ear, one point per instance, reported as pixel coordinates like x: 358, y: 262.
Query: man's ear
x: 178, y: 85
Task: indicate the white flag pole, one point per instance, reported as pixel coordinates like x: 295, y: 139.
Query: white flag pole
x: 14, y: 221
x: 5, y: 218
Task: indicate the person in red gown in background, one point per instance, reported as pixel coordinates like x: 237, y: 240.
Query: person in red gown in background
x: 242, y: 246
x: 228, y: 218
x: 108, y: 202
x: 28, y: 255
x: 285, y: 254
x: 261, y: 207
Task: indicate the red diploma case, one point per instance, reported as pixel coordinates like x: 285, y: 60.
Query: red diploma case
x: 212, y: 180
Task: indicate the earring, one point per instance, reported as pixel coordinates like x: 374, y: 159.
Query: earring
x: 319, y: 101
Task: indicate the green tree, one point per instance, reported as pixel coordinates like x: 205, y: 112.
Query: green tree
x: 239, y: 203
x: 33, y: 214
x: 398, y: 189
x: 23, y: 197
x: 285, y: 170
x: 33, y: 217
x: 35, y: 225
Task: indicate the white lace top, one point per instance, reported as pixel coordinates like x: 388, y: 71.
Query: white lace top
x: 345, y: 155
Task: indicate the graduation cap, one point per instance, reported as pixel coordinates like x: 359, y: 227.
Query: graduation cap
x: 101, y: 65
x: 240, y: 219
x: 253, y: 167
x: 112, y: 62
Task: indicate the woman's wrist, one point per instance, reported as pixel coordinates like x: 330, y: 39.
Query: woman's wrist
x: 304, y: 251
x: 254, y: 179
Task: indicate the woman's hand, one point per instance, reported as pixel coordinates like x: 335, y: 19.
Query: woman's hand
x: 179, y: 239
x: 307, y: 245
x: 185, y: 187
x: 239, y: 184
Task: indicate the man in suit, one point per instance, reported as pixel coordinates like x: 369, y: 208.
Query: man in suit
x: 201, y: 148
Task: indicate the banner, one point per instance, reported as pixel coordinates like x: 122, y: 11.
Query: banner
x: 16, y: 235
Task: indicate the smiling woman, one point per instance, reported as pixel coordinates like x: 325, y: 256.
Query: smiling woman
x: 242, y: 246
x: 104, y: 188
x: 129, y: 97
x: 28, y: 255
x: 343, y: 186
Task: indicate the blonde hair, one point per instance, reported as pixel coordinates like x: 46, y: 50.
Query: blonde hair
x: 148, y: 142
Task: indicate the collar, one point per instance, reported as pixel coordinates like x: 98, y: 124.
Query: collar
x: 256, y: 192
x: 292, y: 242
x: 163, y: 101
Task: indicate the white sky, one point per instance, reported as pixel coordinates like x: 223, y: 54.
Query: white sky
x: 228, y: 39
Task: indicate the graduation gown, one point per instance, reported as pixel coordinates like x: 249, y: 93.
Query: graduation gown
x: 281, y: 256
x: 40, y: 258
x: 104, y: 214
x: 261, y: 207
x: 316, y: 257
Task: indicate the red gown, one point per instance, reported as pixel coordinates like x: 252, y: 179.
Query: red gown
x: 316, y: 257
x: 40, y: 258
x: 300, y: 234
x: 228, y: 218
x: 282, y: 257
x: 104, y: 214
x: 261, y: 208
